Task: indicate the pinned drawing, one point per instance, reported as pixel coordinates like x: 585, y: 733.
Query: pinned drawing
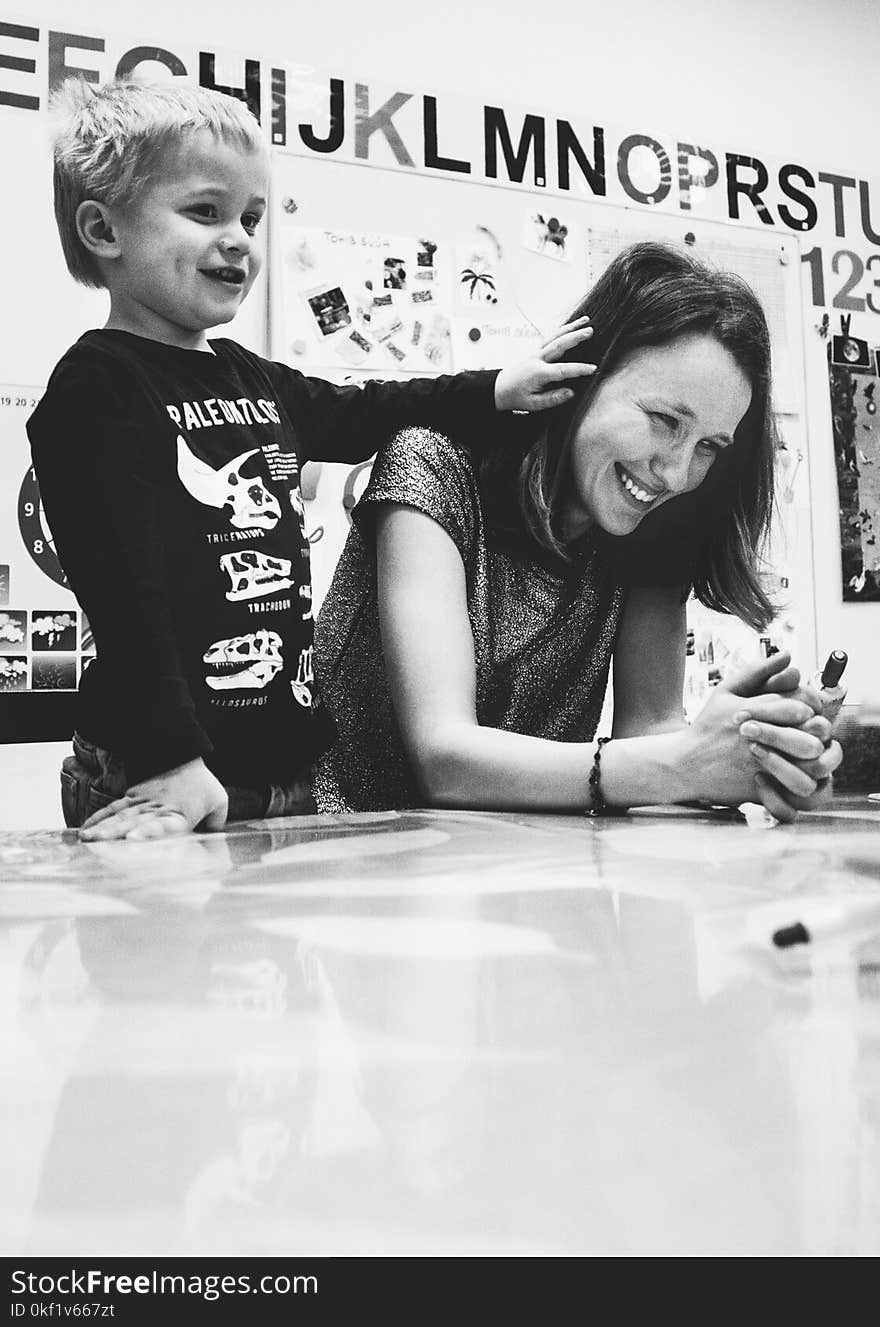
x: 547, y: 235
x: 14, y: 674
x: 479, y: 284
x: 856, y: 452
x: 394, y: 274
x: 53, y: 631
x: 329, y: 309
x: 13, y: 632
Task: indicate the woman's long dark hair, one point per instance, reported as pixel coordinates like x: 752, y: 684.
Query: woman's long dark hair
x: 650, y: 295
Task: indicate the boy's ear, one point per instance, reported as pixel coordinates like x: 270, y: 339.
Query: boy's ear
x: 94, y: 225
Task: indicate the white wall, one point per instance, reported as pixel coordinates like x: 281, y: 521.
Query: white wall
x: 29, y: 784
x: 795, y: 75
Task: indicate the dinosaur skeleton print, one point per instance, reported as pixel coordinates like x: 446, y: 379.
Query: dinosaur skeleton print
x: 246, y: 501
x: 253, y: 574
x: 244, y: 661
x: 253, y: 497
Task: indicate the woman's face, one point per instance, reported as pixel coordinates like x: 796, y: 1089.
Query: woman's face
x: 652, y: 431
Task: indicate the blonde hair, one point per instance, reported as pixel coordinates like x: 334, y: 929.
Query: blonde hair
x: 109, y: 141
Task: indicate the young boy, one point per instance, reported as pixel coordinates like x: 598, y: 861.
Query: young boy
x: 169, y: 470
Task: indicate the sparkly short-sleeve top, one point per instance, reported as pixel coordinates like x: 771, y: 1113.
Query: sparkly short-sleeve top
x: 542, y: 641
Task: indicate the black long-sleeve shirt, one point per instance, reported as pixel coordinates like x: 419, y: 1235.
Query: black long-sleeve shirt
x: 171, y: 482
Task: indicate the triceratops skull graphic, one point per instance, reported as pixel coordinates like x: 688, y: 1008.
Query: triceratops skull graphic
x: 250, y: 503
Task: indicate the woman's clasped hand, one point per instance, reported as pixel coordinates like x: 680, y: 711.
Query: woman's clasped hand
x: 753, y: 743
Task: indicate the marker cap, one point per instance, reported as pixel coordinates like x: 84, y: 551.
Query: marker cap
x: 833, y: 670
x: 787, y: 936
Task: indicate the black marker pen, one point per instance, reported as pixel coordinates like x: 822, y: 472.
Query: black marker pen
x: 821, y: 920
x: 828, y: 684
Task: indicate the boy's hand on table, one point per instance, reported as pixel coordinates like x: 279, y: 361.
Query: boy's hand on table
x: 540, y: 382
x: 180, y: 800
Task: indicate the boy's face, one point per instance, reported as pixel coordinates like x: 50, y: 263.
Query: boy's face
x: 188, y: 252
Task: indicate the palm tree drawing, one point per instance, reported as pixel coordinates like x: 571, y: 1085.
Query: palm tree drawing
x: 480, y: 285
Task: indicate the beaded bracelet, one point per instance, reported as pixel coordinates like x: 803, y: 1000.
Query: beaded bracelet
x: 598, y: 806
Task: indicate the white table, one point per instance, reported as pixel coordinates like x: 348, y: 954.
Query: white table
x: 441, y: 1033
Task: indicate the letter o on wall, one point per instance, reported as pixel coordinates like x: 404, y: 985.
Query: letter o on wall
x: 631, y: 189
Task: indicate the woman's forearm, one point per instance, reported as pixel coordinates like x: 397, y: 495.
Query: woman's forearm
x: 464, y: 765
x: 430, y: 663
x: 647, y: 771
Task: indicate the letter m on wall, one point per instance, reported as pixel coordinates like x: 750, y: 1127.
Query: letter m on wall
x: 531, y: 139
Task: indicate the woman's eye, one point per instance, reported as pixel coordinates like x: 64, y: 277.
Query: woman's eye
x: 250, y: 221
x: 204, y: 211
x: 670, y: 421
x: 710, y: 445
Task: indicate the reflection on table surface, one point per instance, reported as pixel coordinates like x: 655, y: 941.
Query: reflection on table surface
x: 442, y: 1033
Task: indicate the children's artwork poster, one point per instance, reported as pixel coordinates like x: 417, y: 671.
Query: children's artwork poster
x: 45, y: 639
x: 490, y: 328
x: 854, y: 383
x: 467, y: 294
x: 551, y: 234
x: 365, y: 301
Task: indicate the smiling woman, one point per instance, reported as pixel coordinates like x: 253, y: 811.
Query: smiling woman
x: 653, y: 429
x: 466, y: 641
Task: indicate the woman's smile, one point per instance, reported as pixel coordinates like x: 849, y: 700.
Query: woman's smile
x: 643, y: 496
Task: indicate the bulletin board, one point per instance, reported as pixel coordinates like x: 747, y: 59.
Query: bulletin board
x: 440, y: 276
x: 45, y: 639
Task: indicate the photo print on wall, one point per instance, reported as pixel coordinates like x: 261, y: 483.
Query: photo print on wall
x: 854, y: 388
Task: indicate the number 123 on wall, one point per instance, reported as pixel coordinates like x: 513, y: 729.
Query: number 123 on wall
x: 858, y: 280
